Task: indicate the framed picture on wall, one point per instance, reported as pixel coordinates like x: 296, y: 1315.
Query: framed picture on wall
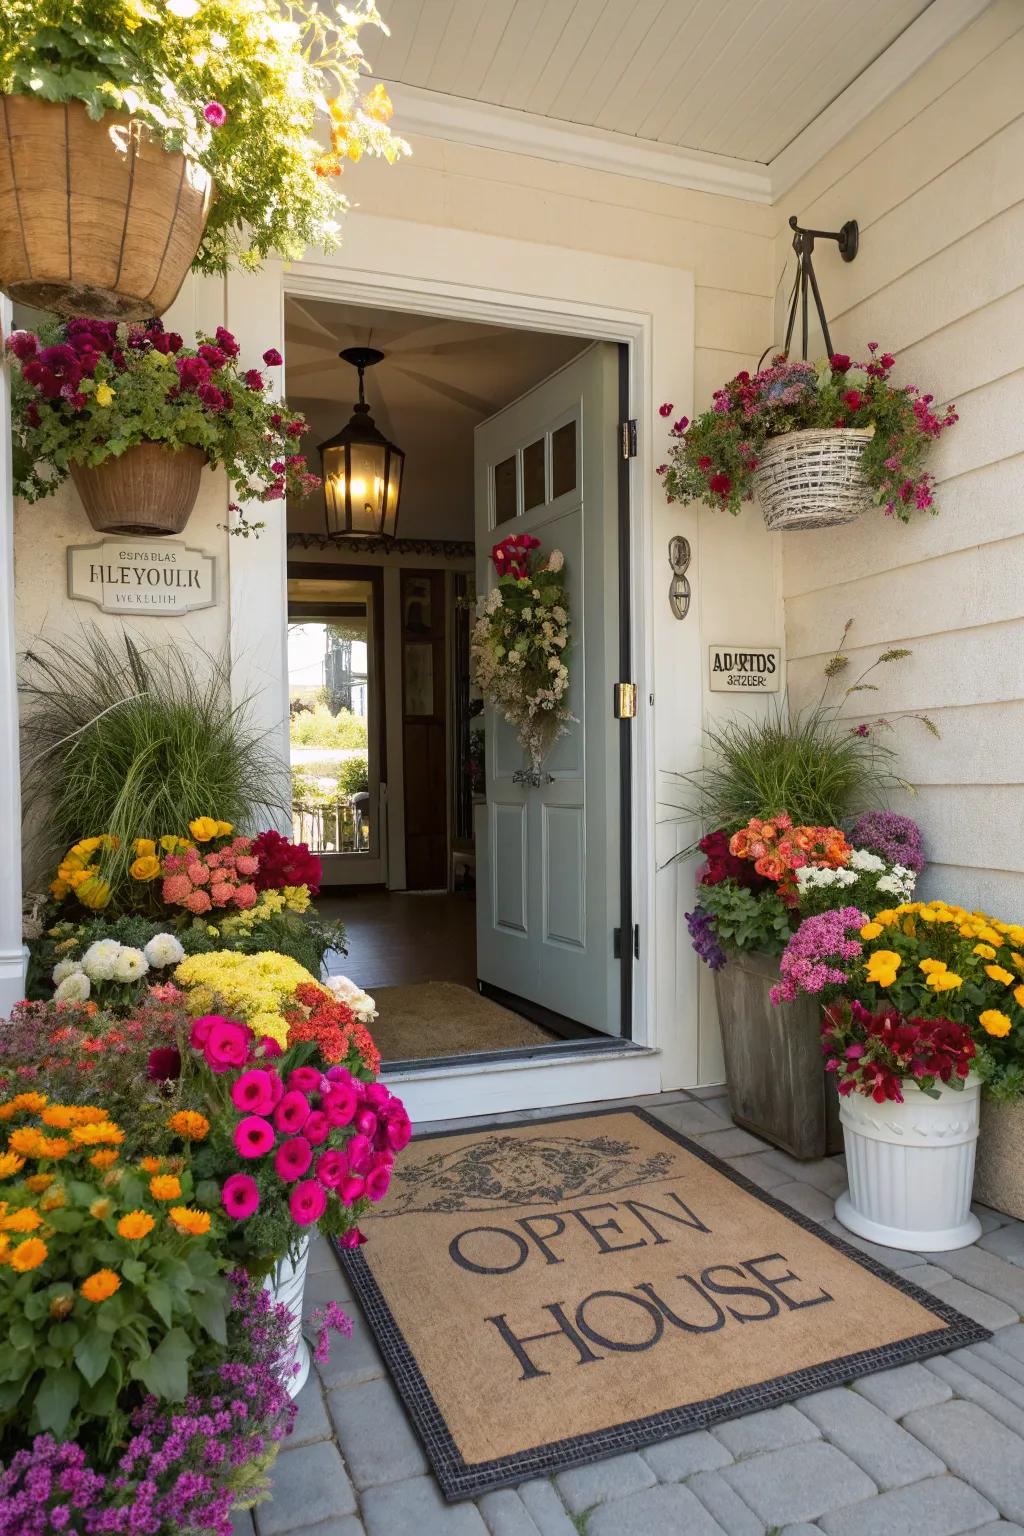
x: 417, y: 605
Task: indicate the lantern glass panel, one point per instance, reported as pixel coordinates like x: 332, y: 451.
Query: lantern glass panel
x: 366, y: 486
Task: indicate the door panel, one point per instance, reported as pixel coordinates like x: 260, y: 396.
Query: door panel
x: 549, y: 894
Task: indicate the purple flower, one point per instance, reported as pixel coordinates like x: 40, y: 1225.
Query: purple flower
x: 704, y: 939
x: 895, y: 838
x: 808, y: 961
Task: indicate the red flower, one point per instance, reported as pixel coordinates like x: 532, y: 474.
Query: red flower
x: 254, y: 379
x: 666, y: 409
x: 840, y: 362
x: 226, y: 341
x: 272, y: 358
x: 282, y: 862
x: 721, y: 484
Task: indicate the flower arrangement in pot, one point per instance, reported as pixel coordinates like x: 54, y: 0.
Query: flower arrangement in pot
x: 817, y: 443
x: 133, y: 415
x: 917, y: 996
x: 144, y: 137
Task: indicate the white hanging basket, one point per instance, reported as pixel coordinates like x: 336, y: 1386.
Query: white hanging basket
x: 911, y: 1168
x: 286, y: 1283
x: 813, y: 479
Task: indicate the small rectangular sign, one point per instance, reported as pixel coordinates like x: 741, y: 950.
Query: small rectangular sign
x: 148, y: 577
x: 745, y: 668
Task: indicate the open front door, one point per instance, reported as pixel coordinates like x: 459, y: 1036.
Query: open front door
x: 549, y: 858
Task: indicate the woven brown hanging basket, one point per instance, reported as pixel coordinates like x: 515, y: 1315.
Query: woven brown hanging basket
x: 147, y: 489
x: 813, y: 479
x: 96, y: 218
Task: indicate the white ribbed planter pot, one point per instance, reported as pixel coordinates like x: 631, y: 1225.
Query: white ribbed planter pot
x: 286, y: 1283
x: 911, y: 1168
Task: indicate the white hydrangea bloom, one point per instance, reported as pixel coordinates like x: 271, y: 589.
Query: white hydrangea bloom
x: 73, y: 989
x: 164, y: 949
x: 866, y: 861
x: 348, y: 992
x: 65, y: 968
x: 100, y: 959
x: 131, y: 964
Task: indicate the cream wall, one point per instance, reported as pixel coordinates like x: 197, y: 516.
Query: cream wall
x: 935, y: 179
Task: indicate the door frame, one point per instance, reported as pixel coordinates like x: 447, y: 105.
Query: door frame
x: 435, y: 271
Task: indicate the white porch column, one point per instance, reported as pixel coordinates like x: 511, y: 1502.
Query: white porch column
x: 12, y: 954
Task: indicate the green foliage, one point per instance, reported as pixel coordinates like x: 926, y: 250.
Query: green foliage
x: 354, y: 776
x: 268, y: 65
x: 320, y: 728
x: 745, y: 919
x: 1003, y: 1079
x: 135, y: 742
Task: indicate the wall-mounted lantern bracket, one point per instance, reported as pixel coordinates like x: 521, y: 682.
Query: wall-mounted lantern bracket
x: 848, y: 241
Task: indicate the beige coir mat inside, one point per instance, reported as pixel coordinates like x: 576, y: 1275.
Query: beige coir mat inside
x: 552, y: 1292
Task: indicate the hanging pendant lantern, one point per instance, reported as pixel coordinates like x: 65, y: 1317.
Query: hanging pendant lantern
x: 362, y: 470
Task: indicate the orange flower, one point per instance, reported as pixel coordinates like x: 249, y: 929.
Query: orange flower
x: 190, y: 1124
x: 136, y: 1225
x: 91, y: 1135
x: 38, y: 1183
x: 10, y: 1163
x: 63, y: 1116
x: 29, y: 1255
x: 151, y: 1164
x: 100, y: 1208
x: 104, y: 1158
x: 100, y: 1286
x: 28, y: 1142
x: 29, y: 1101
x: 52, y: 1200
x: 25, y: 1220
x: 187, y: 1219
x: 164, y: 1186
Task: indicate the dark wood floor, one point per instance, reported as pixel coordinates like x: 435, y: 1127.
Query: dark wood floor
x: 396, y: 937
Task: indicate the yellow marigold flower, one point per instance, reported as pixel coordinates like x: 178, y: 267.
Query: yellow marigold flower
x: 101, y: 1208
x: 151, y: 1164
x: 945, y: 981
x: 92, y: 1135
x: 104, y: 394
x: 887, y: 918
x: 1018, y: 995
x: 995, y: 1023
x: 24, y: 1141
x: 146, y: 868
x: 203, y: 828
x: 997, y: 973
x: 52, y: 1147
x: 1017, y: 959
x: 25, y: 1220
x: 136, y: 1225
x: 164, y: 1186
x: 190, y: 1124
x: 985, y: 951
x: 10, y: 1163
x: 104, y: 1158
x: 187, y: 1219
x: 100, y: 1286
x: 871, y: 930
x: 930, y: 965
x: 29, y: 1255
x: 62, y: 1117
x: 144, y: 846
x: 32, y: 1102
x: 39, y: 1183
x: 909, y: 927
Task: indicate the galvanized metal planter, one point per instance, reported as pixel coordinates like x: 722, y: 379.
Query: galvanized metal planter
x: 774, y: 1068
x: 999, y: 1170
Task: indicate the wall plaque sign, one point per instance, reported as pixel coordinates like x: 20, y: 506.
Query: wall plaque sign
x: 744, y: 668
x: 149, y: 577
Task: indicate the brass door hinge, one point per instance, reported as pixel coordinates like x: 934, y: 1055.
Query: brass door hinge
x: 624, y: 701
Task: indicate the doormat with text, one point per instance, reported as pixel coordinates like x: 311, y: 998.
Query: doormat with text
x: 552, y: 1292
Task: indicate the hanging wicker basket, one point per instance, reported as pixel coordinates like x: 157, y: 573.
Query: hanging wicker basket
x: 813, y: 479
x: 147, y: 489
x: 96, y: 217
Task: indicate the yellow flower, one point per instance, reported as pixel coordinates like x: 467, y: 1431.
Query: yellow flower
x: 886, y: 918
x: 100, y: 1286
x: 187, y: 1219
x: 884, y: 960
x: 944, y: 981
x: 93, y: 892
x: 929, y: 966
x: 995, y: 1023
x: 871, y: 930
x: 145, y: 868
x: 101, y: 1208
x: 104, y: 1158
x: 203, y: 828
x: 171, y: 842
x: 25, y: 1220
x: 190, y: 1124
x: 39, y: 1183
x: 985, y: 951
x: 164, y: 1186
x: 10, y: 1163
x: 990, y: 935
x: 144, y: 846
x: 92, y: 1135
x: 224, y: 828
x: 1018, y: 995
x: 997, y: 973
x: 29, y: 1255
x: 104, y: 394
x: 136, y: 1225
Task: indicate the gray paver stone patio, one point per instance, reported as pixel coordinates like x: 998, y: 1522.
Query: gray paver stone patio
x: 983, y: 1308
x: 311, y: 1421
x: 730, y: 1141
x: 310, y: 1485
x: 344, y: 1525
x: 972, y: 1443
x: 505, y: 1514
x: 808, y: 1199
x: 725, y: 1504
x: 675, y: 1460
x: 1007, y: 1242
x: 902, y: 1390
x: 943, y: 1506
x: 889, y: 1456
x: 967, y: 1385
x: 694, y: 1119
x: 801, y: 1482
x: 987, y: 1272
x: 668, y: 1508
x: 377, y: 1441
x: 615, y: 1478
x: 354, y: 1360
x: 769, y: 1430
x: 758, y: 1170
x: 546, y: 1508
x: 415, y: 1508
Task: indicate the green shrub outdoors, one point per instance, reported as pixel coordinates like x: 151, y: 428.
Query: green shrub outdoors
x: 354, y: 776
x: 136, y: 741
x: 319, y: 728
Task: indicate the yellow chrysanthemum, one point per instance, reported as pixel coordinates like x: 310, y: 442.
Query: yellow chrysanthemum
x: 995, y: 1023
x: 100, y: 1286
x: 985, y: 951
x: 997, y: 973
x: 28, y: 1255
x: 164, y: 1186
x: 871, y: 930
x: 103, y: 394
x: 187, y: 1219
x: 10, y: 1164
x: 136, y: 1225
x: 189, y: 1124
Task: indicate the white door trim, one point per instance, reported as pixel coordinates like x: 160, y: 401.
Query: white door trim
x: 418, y: 268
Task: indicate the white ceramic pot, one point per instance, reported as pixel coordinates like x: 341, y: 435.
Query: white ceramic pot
x: 286, y: 1283
x: 911, y: 1168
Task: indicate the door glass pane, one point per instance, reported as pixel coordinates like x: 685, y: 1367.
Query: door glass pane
x: 506, y: 502
x: 563, y: 460
x: 419, y: 677
x: 329, y: 706
x: 534, y: 489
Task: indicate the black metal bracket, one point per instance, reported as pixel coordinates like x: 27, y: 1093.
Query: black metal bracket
x: 848, y: 241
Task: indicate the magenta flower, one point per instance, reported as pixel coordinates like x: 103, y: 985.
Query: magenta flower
x: 226, y: 1045
x: 666, y: 409
x: 292, y: 1112
x: 366, y: 1123
x: 254, y: 379
x: 200, y: 1031
x: 377, y: 1181
x: 351, y: 1239
x: 307, y: 1203
x: 305, y: 1079
x: 397, y: 1129
x: 351, y: 1188
x: 339, y: 1103
x: 331, y: 1167
x: 360, y: 1154
x: 23, y: 344
x: 215, y: 114
x: 226, y: 341
x: 272, y: 358
x: 376, y: 1095
x: 253, y: 1092
x: 240, y: 1196
x: 254, y: 1137
x: 292, y: 1158
x: 317, y: 1128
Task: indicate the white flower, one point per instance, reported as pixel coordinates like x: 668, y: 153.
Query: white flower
x: 360, y: 1002
x: 65, y: 968
x: 164, y: 949
x: 556, y: 560
x: 131, y: 964
x: 73, y: 989
x: 100, y: 959
x: 554, y: 663
x: 863, y: 859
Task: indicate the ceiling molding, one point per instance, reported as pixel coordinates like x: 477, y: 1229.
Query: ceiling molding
x: 933, y: 29
x: 457, y: 119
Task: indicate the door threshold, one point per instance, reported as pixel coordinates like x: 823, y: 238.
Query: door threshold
x: 561, y: 1052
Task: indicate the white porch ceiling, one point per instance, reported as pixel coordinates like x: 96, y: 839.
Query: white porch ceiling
x: 727, y: 95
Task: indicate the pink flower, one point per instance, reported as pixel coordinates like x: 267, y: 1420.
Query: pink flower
x: 339, y: 1103
x: 351, y: 1239
x: 307, y: 1203
x: 292, y: 1113
x: 221, y: 893
x: 200, y: 1031
x: 272, y: 358
x: 292, y: 1158
x: 253, y: 1093
x: 246, y: 896
x: 198, y: 872
x: 376, y: 1095
x: 378, y: 1181
x: 254, y: 1137
x: 397, y: 1129
x: 666, y: 409
x: 246, y: 864
x: 351, y: 1189
x: 176, y: 889
x: 215, y: 114
x: 254, y: 379
x: 317, y: 1128
x: 366, y: 1123
x: 240, y: 1196
x: 197, y: 901
x: 360, y: 1154
x: 305, y: 1079
x: 331, y: 1167
x: 227, y: 1045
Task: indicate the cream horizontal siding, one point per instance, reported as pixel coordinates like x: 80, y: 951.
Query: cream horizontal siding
x: 935, y: 179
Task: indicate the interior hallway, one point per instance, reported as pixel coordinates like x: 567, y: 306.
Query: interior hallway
x: 399, y: 937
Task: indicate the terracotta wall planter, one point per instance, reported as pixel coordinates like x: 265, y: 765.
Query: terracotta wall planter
x: 999, y: 1172
x: 774, y: 1068
x: 96, y: 218
x: 147, y: 489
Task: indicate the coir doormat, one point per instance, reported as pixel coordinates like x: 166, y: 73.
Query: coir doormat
x: 552, y: 1292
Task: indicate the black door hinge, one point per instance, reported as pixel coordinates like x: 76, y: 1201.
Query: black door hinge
x: 617, y: 942
x: 628, y: 431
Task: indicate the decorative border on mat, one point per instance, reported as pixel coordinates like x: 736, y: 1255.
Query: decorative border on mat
x: 462, y: 1480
